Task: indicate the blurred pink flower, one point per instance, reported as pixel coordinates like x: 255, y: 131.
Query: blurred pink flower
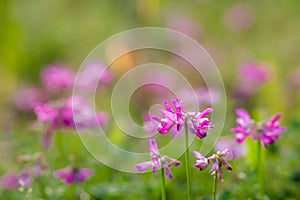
x: 251, y: 77
x: 28, y: 97
x: 71, y: 175
x: 186, y: 25
x: 267, y: 132
x: 58, y: 77
x: 239, y: 18
x: 271, y: 130
x: 16, y: 181
x: 94, y: 74
x: 157, y: 161
x: 245, y: 126
x: 76, y: 112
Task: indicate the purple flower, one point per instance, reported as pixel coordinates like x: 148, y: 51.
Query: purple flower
x: 58, y: 77
x: 171, y: 117
x: 245, y: 126
x: 199, y: 124
x: 157, y: 161
x: 218, y: 161
x: 71, y: 175
x: 16, y: 181
x: 271, y: 131
x: 197, y: 121
x: 76, y: 112
x: 267, y: 132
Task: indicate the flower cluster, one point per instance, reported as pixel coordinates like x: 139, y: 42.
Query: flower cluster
x: 176, y: 117
x: 218, y: 160
x: 76, y: 112
x: 71, y: 175
x: 158, y: 161
x: 267, y: 132
x: 35, y: 165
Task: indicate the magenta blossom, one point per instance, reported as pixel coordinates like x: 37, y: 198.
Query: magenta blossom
x: 176, y: 117
x: 245, y: 126
x: 271, y: 131
x: 218, y: 161
x: 267, y: 132
x: 76, y: 112
x: 16, y: 181
x: 71, y: 175
x: 58, y: 77
x: 158, y: 161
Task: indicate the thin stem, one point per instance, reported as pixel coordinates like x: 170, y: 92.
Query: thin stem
x: 187, y: 161
x: 215, y: 183
x: 259, y: 170
x: 163, y: 184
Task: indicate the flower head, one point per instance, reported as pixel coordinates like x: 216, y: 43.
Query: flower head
x: 157, y: 161
x: 198, y: 122
x: 267, y: 132
x: 218, y: 161
x: 271, y: 131
x: 76, y: 112
x: 71, y: 175
x: 245, y: 126
x: 58, y: 77
x: 16, y: 181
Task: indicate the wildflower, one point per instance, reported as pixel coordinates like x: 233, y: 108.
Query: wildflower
x: 76, y: 112
x: 267, y: 132
x: 271, y: 131
x: 16, y: 181
x: 197, y: 121
x: 245, y: 126
x: 58, y: 77
x: 216, y: 159
x: 92, y: 75
x: 71, y: 175
x: 158, y: 161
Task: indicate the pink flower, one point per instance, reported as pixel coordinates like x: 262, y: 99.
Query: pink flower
x: 197, y: 121
x: 58, y: 77
x: 94, y: 74
x: 245, y: 126
x: 218, y: 161
x: 267, y: 132
x: 76, y: 112
x: 271, y: 131
x: 171, y: 117
x: 199, y: 124
x: 157, y: 161
x: 71, y: 175
x: 15, y: 181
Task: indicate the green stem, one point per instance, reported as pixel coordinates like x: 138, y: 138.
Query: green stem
x: 163, y: 184
x: 259, y: 170
x: 215, y: 183
x: 187, y: 161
